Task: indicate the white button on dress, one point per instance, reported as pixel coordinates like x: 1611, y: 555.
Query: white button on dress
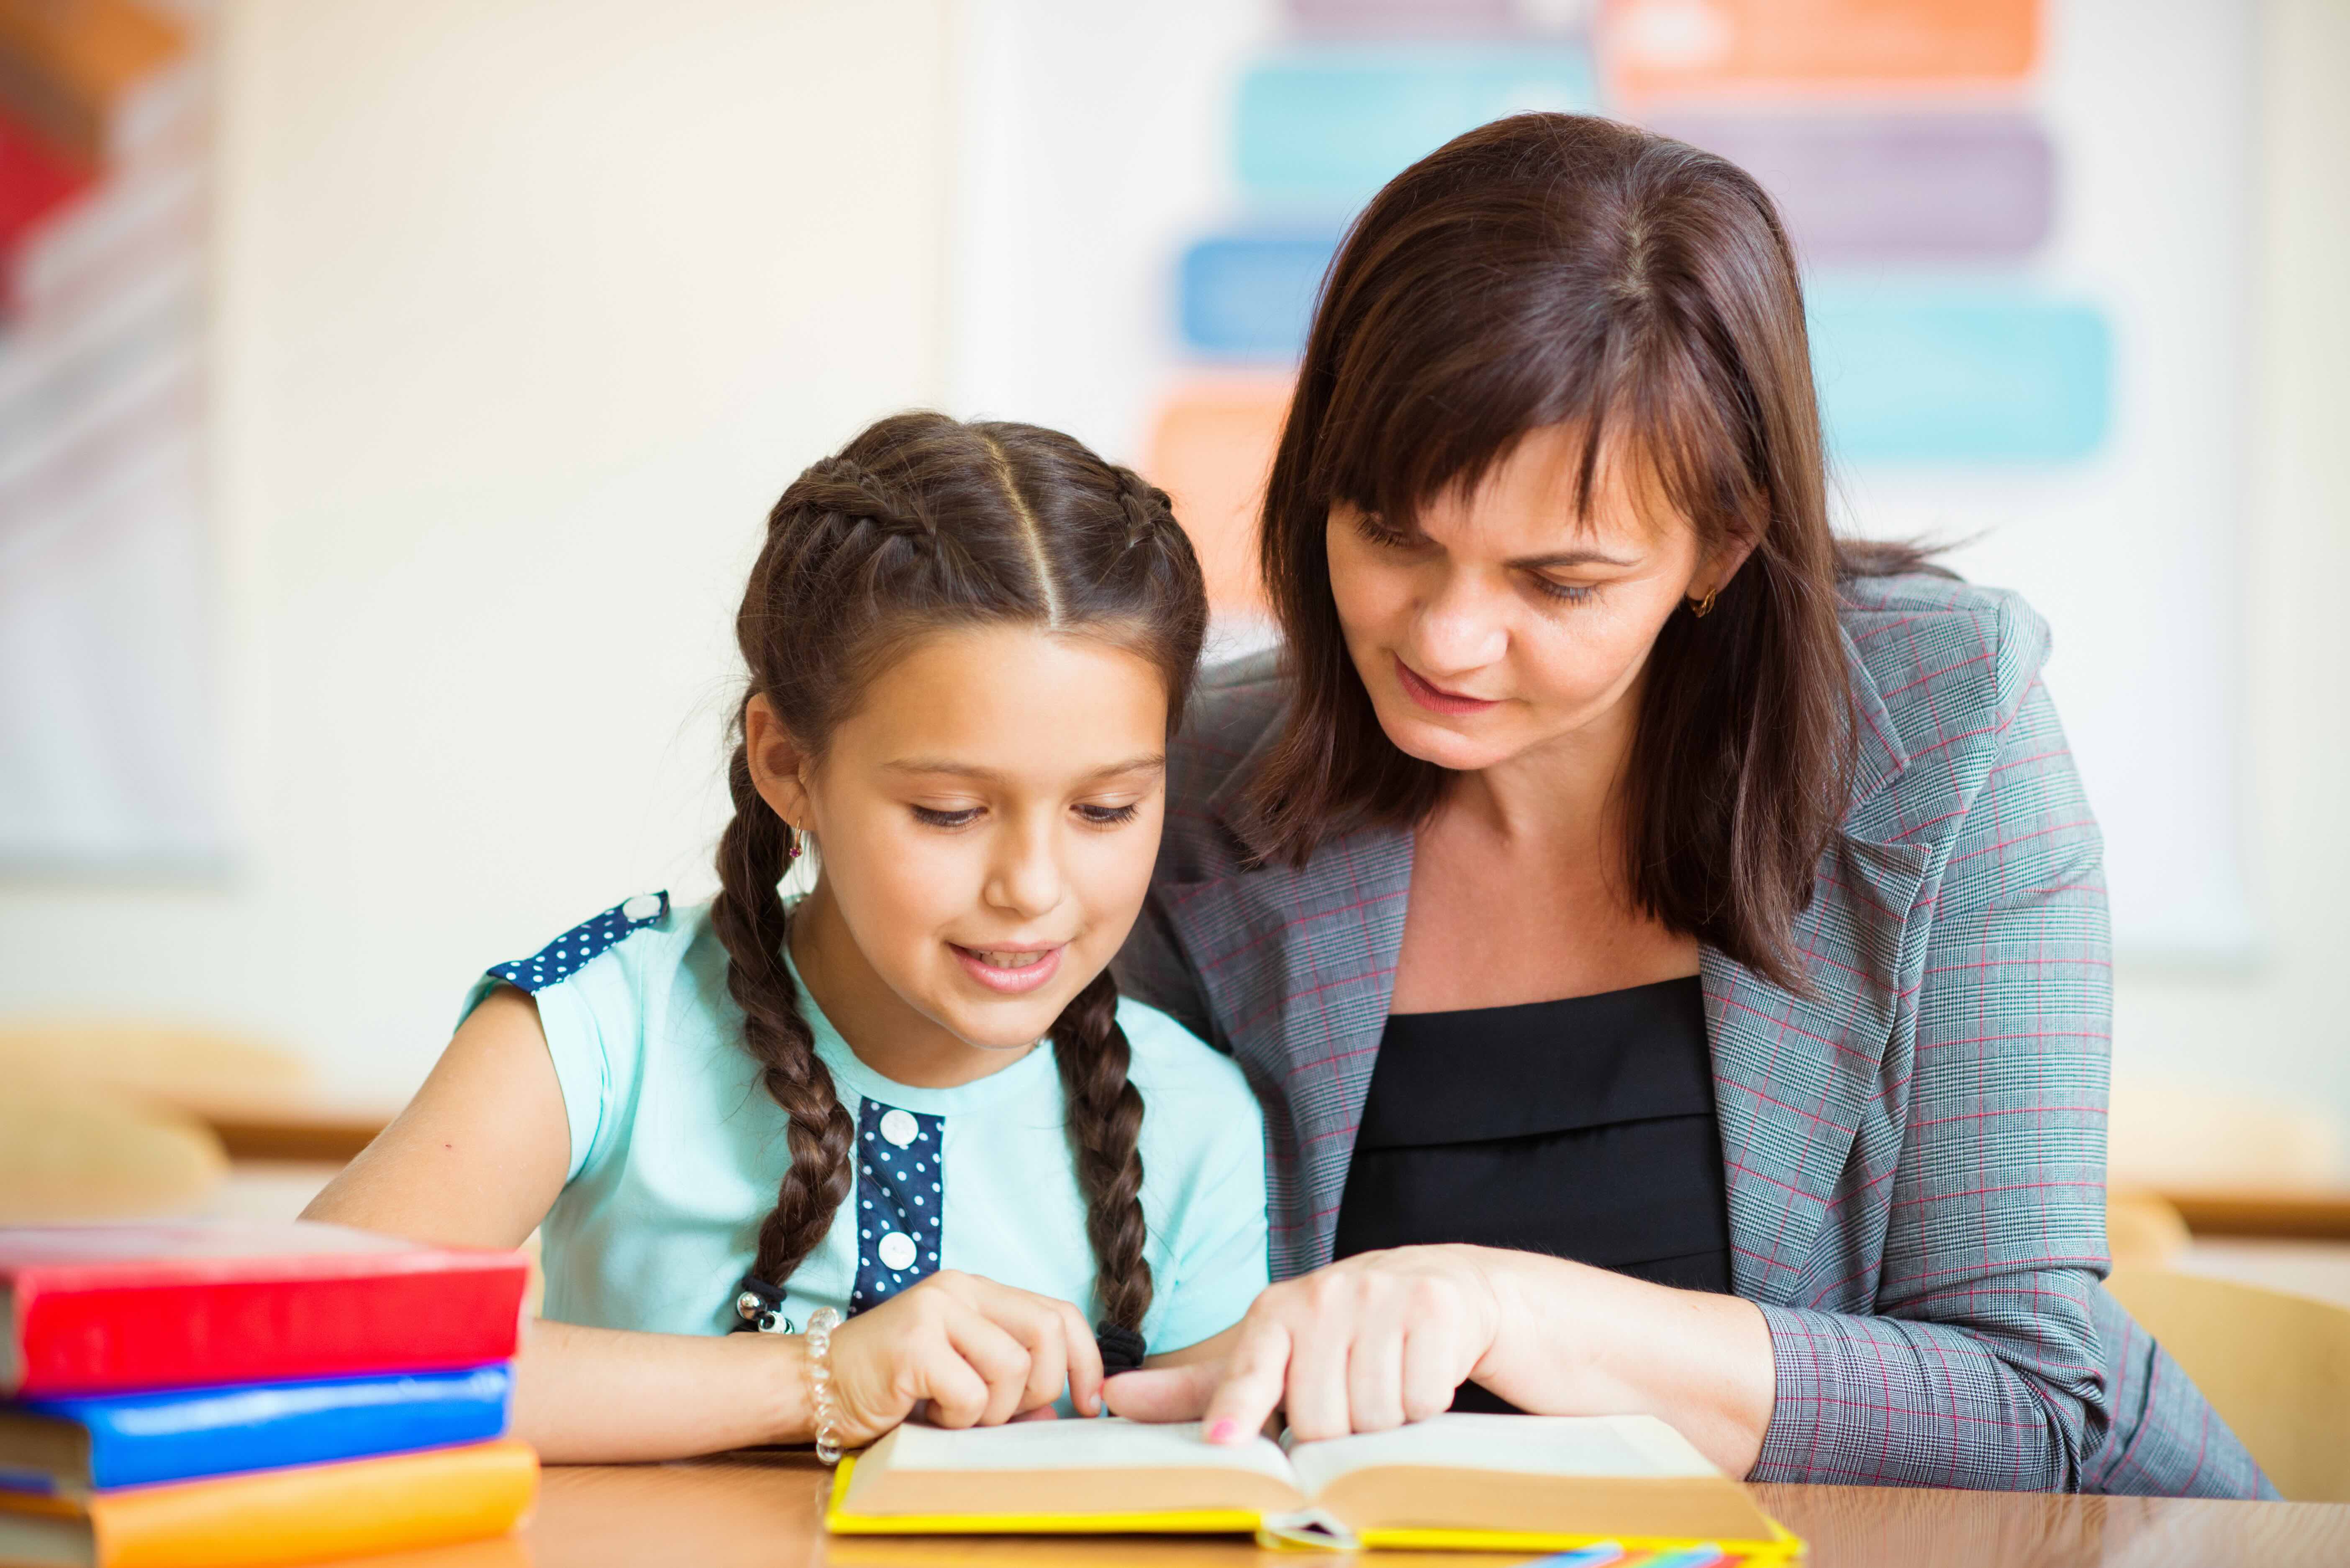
x: 896, y: 1249
x: 643, y: 907
x: 900, y: 1128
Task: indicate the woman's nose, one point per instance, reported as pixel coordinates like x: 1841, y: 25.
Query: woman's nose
x: 1459, y: 628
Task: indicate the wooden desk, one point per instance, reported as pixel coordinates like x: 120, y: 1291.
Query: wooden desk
x: 2314, y: 1213
x: 2318, y: 1269
x: 761, y: 1511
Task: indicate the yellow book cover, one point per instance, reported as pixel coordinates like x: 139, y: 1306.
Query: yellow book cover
x: 306, y: 1513
x: 1459, y: 1482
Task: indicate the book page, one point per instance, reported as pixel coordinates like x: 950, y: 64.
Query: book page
x: 1065, y: 1469
x: 1081, y: 1445
x: 1626, y: 1447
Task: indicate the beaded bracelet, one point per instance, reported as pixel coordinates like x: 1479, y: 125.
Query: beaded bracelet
x: 820, y: 1325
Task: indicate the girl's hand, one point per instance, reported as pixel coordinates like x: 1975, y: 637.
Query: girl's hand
x: 980, y: 1353
x: 1362, y: 1346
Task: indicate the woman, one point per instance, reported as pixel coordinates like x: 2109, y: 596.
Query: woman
x: 1670, y: 946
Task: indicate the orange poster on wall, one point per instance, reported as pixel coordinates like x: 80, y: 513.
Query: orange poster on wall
x: 1672, y: 48
x: 1211, y: 449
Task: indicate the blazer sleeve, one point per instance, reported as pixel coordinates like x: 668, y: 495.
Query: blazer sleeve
x: 1980, y: 1365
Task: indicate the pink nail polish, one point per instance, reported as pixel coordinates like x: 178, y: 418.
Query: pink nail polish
x: 1224, y: 1431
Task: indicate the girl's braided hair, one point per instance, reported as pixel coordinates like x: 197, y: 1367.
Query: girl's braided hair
x: 922, y: 524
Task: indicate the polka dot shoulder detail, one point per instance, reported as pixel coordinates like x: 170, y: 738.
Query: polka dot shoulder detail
x: 570, y: 953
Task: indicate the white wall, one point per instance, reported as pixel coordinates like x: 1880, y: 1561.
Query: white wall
x: 2280, y: 1025
x: 527, y: 310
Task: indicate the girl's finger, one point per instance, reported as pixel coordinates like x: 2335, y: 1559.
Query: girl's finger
x: 952, y: 1390
x: 1250, y: 1388
x: 1085, y: 1361
x: 1044, y: 1335
x: 1001, y: 1361
x: 1061, y: 1347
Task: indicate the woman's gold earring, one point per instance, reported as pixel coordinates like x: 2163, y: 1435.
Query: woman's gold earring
x: 1704, y: 606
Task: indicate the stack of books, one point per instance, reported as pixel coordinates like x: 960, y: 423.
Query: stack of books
x: 252, y: 1393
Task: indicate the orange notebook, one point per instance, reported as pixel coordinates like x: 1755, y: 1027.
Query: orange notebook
x: 306, y: 1514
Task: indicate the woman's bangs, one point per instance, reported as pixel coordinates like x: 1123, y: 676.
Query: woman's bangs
x: 1464, y: 412
x: 1405, y: 433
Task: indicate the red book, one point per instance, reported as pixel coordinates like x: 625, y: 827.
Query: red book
x: 87, y: 1308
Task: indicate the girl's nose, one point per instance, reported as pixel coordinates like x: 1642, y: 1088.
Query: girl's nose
x: 1025, y: 877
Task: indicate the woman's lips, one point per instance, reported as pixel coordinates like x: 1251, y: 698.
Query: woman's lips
x: 1435, y: 699
x: 1035, y: 967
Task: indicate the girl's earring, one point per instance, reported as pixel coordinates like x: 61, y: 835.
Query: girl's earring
x: 793, y: 852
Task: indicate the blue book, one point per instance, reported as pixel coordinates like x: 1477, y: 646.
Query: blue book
x: 73, y: 1446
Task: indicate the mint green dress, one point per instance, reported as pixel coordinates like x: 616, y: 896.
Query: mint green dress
x: 676, y: 1152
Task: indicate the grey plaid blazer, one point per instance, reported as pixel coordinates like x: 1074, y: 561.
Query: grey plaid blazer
x: 1915, y: 1153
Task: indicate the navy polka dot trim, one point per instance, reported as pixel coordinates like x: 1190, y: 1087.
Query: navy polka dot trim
x: 568, y: 953
x: 901, y: 1187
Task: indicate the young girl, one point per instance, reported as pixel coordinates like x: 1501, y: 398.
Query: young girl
x: 911, y: 1098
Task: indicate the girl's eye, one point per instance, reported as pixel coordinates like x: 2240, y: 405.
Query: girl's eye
x: 1108, y: 815
x: 1567, y: 593
x: 930, y: 818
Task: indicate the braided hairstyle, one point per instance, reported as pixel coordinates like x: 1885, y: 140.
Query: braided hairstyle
x: 922, y: 524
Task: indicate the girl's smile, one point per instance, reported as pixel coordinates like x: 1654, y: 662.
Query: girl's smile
x: 1011, y: 971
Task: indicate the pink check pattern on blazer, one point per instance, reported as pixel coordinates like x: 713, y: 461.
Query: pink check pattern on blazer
x: 1915, y: 1153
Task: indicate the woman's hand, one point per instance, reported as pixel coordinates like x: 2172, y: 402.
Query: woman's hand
x: 979, y: 1351
x: 1383, y: 1338
x: 1362, y: 1346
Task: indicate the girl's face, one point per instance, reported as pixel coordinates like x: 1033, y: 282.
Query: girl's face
x: 1498, y: 624
x: 986, y: 820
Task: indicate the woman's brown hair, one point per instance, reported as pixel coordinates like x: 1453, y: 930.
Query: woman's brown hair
x: 922, y: 524
x: 1556, y: 269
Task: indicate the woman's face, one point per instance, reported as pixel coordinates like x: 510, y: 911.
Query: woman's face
x: 1501, y: 624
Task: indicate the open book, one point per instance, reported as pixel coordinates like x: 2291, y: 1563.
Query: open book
x: 1503, y: 1482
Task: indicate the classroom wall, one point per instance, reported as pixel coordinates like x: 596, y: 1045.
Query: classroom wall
x: 2280, y: 1025
x: 528, y: 308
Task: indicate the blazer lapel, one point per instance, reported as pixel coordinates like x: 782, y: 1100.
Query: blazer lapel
x: 1795, y: 1075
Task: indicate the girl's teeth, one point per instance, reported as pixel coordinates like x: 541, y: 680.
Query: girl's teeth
x: 1009, y: 960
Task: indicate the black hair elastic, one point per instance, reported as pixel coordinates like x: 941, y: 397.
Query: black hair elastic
x: 759, y: 1307
x: 1122, y: 1349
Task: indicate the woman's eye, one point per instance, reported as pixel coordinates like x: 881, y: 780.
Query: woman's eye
x: 1108, y: 815
x: 928, y: 817
x: 1374, y: 528
x: 1567, y: 593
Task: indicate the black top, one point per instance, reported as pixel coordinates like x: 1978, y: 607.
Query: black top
x: 1583, y: 1128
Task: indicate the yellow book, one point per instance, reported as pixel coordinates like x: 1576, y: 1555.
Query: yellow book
x: 1459, y: 1482
x: 306, y: 1513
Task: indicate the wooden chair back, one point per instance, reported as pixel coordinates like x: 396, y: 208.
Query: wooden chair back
x: 2276, y: 1366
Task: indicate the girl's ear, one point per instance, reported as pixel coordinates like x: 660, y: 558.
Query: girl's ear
x: 777, y: 764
